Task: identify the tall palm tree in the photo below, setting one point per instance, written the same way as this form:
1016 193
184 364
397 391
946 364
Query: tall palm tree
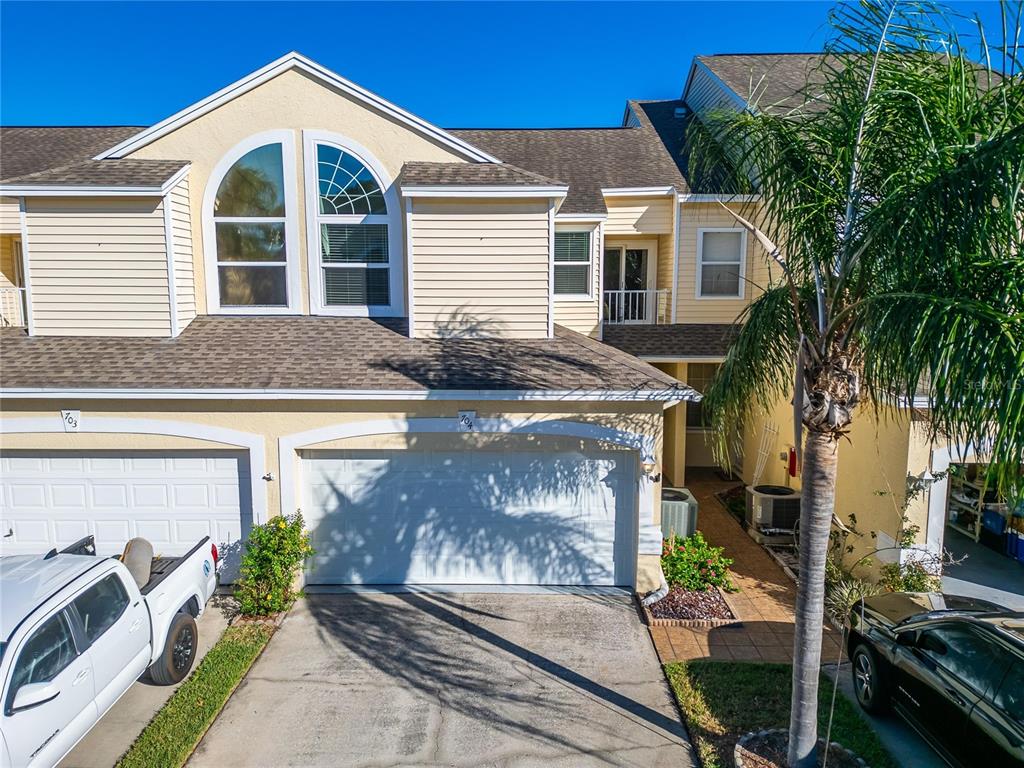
891 209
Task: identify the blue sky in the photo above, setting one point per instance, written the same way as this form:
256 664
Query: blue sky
455 64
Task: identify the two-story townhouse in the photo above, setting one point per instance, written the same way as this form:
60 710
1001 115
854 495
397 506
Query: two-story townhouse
459 352
886 449
294 294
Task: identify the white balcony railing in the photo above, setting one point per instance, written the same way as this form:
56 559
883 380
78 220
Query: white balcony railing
12 307
647 307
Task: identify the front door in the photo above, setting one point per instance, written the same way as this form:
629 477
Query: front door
625 285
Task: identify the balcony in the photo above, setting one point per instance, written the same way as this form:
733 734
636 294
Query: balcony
12 307
641 307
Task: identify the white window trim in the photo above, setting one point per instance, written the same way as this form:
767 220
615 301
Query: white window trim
590 265
396 250
286 139
700 264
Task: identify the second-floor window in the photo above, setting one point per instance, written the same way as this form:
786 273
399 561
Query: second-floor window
249 219
352 224
720 261
572 264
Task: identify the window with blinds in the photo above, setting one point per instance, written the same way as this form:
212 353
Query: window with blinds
353 222
572 263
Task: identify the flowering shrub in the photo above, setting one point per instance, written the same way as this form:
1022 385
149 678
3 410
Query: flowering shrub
694 564
273 555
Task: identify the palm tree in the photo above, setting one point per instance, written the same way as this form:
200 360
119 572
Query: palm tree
891 209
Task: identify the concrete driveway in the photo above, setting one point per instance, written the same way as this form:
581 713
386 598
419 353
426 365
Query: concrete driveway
454 680
115 732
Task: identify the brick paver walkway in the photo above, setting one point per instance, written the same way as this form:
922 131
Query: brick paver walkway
764 603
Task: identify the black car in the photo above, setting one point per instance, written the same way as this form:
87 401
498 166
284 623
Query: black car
953 667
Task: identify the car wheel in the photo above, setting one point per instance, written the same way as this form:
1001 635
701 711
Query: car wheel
179 651
868 686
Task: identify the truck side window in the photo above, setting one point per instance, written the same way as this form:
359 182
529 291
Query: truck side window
100 606
44 655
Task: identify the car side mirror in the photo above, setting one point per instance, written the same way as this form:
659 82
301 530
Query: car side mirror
907 639
33 694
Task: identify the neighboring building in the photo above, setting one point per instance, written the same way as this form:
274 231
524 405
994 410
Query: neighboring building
452 349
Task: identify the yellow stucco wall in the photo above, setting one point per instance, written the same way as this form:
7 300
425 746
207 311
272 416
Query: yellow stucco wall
291 101
873 466
271 420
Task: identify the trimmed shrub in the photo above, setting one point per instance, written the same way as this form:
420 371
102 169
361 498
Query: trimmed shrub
694 564
274 553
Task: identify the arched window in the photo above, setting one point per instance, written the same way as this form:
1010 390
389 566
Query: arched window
252 228
353 253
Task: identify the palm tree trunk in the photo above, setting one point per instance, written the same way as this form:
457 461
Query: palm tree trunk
818 488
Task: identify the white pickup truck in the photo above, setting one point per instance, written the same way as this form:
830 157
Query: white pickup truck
76 630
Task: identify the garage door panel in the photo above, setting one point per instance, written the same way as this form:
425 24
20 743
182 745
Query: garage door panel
173 499
470 517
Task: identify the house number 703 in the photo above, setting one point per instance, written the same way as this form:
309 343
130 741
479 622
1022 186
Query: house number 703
71 419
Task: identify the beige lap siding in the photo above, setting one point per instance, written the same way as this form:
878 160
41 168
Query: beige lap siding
184 268
10 216
480 268
639 215
692 218
98 266
582 316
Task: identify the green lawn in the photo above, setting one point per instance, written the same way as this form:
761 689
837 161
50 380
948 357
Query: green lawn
176 729
724 700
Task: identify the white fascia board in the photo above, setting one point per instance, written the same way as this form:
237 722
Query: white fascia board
690 197
289 61
483 191
637 191
582 217
78 190
576 395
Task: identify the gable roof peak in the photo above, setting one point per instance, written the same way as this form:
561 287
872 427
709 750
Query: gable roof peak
293 60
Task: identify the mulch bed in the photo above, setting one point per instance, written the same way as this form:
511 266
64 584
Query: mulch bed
686 604
768 749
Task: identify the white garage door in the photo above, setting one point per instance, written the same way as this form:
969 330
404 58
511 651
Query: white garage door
50 499
470 517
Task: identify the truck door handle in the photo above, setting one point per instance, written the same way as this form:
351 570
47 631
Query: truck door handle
80 677
135 625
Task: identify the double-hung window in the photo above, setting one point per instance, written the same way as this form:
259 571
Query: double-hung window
351 221
573 264
720 263
249 218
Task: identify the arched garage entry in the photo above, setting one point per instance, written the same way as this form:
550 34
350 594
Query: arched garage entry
533 502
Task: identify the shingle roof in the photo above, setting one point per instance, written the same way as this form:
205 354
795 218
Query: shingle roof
31 149
587 159
320 353
464 174
129 172
679 340
774 79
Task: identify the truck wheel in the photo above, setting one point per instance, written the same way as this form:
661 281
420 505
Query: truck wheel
179 651
868 686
